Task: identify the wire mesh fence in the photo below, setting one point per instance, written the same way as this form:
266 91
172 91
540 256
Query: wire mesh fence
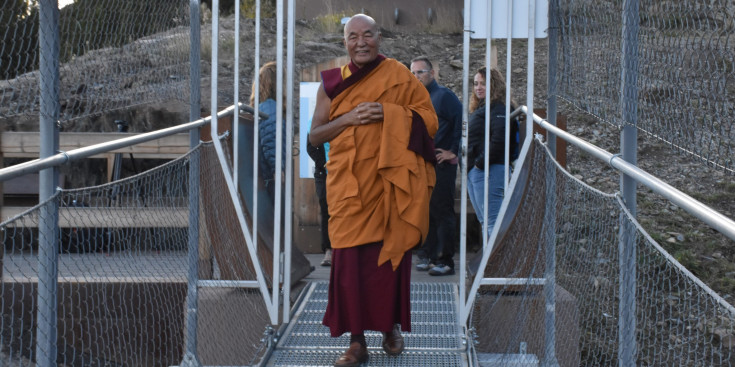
684 70
122 275
678 320
112 54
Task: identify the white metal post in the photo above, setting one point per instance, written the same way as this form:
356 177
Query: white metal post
530 72
463 166
508 63
486 164
289 163
256 118
276 276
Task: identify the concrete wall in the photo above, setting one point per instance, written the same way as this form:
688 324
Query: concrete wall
137 324
117 324
505 319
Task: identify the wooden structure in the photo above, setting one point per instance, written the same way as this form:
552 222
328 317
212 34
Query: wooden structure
27 145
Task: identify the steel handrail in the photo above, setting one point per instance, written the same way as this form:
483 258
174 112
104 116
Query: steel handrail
714 219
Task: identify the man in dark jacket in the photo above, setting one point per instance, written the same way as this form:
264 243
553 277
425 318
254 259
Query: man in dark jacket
437 253
319 155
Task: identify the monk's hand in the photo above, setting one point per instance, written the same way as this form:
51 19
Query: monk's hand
368 112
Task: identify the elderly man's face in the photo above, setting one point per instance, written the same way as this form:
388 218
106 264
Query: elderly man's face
362 40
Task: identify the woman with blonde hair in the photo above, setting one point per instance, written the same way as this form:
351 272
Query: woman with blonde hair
267 127
476 149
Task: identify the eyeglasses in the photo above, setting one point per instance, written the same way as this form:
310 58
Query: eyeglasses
420 72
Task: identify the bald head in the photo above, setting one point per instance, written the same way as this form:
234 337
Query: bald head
362 19
362 39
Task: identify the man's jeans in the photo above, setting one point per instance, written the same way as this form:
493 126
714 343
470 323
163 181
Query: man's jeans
475 189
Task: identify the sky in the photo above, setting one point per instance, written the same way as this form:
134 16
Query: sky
63 3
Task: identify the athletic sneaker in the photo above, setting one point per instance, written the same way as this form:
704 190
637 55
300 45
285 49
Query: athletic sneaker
327 261
424 264
441 270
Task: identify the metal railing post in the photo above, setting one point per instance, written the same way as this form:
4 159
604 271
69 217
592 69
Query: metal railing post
278 203
288 206
628 146
48 40
629 99
122 127
192 297
463 165
550 268
551 106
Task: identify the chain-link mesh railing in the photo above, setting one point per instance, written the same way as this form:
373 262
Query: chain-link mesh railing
678 320
113 54
122 274
685 94
233 322
222 224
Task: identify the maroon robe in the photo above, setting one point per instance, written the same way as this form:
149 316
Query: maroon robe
362 295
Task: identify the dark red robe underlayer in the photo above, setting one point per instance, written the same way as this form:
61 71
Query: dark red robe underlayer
364 296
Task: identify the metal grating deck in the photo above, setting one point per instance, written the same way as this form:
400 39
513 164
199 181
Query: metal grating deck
436 340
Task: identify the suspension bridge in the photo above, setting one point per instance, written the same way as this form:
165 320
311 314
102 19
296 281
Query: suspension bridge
191 264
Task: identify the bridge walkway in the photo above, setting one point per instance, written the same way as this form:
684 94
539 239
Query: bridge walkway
436 338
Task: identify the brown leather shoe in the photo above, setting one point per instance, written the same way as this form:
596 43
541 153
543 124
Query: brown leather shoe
355 355
393 343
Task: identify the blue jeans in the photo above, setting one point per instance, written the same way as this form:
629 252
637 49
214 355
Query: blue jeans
475 189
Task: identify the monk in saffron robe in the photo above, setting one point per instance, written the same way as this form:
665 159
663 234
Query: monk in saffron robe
379 122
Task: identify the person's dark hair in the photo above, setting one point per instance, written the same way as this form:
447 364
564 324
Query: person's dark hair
497 88
424 59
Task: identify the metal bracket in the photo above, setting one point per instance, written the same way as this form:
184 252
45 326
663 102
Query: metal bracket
268 336
613 157
66 156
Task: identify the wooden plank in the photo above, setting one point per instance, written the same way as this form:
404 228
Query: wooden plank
15 144
110 166
561 144
112 217
102 267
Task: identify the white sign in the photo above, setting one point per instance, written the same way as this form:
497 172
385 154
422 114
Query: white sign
501 15
307 103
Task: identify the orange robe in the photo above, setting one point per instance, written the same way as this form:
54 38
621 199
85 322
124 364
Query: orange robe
378 189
